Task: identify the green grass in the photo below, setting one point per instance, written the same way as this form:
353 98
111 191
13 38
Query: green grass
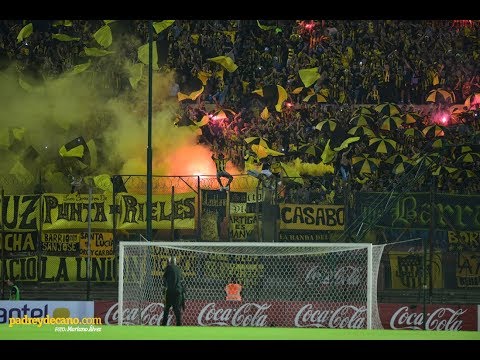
112 332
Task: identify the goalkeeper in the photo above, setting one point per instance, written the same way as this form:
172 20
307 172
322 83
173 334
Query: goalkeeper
175 293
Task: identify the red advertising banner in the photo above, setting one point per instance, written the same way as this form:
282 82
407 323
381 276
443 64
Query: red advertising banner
295 314
438 317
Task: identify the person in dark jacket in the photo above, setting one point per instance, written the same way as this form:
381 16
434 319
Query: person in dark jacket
173 281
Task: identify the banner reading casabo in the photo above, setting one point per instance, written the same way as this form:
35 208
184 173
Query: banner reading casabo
312 217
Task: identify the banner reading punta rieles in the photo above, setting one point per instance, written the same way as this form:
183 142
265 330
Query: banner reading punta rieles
70 211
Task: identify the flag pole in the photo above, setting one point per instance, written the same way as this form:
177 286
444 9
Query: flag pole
149 146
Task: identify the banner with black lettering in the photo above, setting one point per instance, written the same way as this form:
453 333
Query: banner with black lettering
304 236
238 202
247 270
70 211
312 217
101 244
468 269
255 201
412 210
60 244
20 212
133 211
406 269
76 244
463 241
243 227
214 205
18 243
59 268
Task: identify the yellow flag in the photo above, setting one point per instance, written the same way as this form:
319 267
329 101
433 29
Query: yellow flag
297 90
135 74
66 23
226 62
245 86
204 121
74 148
204 76
266 27
195 38
263 152
265 114
258 92
77 69
103 36
219 75
18 133
143 55
25 85
347 142
192 96
64 37
231 34
289 172
309 76
26 31
328 154
162 25
103 182
282 96
97 52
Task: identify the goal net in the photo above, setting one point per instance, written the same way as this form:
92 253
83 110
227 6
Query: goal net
323 285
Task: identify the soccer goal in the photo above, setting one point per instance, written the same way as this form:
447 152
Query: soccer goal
323 285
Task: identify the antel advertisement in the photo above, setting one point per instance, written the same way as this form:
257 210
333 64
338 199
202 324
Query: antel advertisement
296 314
39 309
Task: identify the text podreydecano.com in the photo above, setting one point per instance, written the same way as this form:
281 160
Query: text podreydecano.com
48 320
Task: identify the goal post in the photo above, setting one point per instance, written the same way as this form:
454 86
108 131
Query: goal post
323 285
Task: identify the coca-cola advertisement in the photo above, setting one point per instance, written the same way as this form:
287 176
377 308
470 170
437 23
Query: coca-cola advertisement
295 314
437 317
322 273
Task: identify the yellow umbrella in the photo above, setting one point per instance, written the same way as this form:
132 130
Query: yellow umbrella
396 159
365 164
440 143
387 109
414 133
361 120
391 122
361 130
403 167
311 149
412 118
444 170
440 96
363 110
256 140
382 145
469 157
434 130
331 124
464 173
472 101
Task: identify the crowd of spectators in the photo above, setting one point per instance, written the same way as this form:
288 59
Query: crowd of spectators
361 65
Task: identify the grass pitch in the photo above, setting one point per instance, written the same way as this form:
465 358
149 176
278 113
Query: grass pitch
113 332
